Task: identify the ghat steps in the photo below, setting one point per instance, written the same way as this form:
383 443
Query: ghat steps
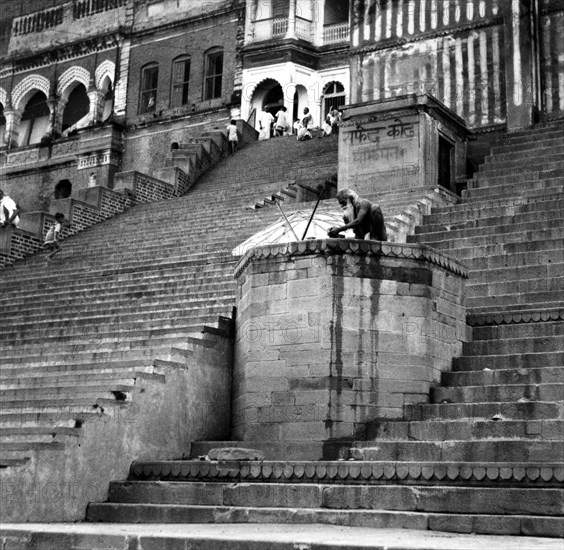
485 455
92 343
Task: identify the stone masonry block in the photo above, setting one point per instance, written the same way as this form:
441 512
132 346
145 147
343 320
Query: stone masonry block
307 287
370 497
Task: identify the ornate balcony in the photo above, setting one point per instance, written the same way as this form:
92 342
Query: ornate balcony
335 34
279 27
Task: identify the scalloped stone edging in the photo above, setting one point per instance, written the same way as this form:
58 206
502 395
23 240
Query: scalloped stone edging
412 251
514 317
353 471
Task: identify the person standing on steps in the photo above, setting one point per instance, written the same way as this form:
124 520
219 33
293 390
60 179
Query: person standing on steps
232 136
304 132
9 211
52 237
281 125
360 215
265 122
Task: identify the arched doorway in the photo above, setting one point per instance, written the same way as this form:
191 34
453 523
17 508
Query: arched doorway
76 110
35 120
267 95
63 189
333 96
274 100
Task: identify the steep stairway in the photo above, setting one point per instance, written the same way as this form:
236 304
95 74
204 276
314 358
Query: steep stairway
91 342
486 454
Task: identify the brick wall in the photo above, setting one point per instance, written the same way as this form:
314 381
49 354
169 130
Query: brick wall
193 39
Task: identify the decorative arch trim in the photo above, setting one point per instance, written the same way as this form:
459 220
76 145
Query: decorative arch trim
3 97
29 84
69 77
106 69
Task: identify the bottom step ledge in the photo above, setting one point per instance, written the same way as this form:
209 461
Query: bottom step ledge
253 537
538 526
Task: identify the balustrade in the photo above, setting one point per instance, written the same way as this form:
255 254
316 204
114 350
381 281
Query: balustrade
37 22
333 34
84 8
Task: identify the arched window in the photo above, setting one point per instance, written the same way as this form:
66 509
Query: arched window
213 73
148 88
63 189
333 96
76 109
180 81
35 120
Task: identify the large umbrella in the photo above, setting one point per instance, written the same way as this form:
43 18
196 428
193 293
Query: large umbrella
280 232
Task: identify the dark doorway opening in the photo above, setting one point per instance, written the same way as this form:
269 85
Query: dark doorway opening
63 189
446 163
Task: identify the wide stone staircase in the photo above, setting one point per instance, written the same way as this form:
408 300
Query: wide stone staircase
105 354
486 454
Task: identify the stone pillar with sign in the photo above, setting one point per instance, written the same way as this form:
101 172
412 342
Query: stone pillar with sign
401 144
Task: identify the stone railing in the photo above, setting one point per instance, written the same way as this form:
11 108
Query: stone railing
334 34
37 22
265 29
84 8
303 28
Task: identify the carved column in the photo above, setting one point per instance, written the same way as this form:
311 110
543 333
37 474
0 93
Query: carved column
249 18
96 98
291 32
56 107
318 18
13 117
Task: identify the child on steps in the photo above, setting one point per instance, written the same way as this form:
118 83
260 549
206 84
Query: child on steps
52 237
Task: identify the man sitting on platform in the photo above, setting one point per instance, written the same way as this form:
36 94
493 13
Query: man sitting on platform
360 215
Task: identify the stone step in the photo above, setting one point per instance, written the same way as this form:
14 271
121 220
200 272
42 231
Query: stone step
343 530
520 163
461 213
535 344
71 417
533 239
492 226
500 450
526 410
32 384
537 146
499 377
68 405
532 194
518 330
476 429
499 393
517 360
60 392
464 500
123 307
536 300
521 286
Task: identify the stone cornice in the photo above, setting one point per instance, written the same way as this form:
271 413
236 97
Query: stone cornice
409 251
353 472
515 317
63 53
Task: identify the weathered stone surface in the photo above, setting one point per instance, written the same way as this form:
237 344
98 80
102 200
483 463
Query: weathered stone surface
235 453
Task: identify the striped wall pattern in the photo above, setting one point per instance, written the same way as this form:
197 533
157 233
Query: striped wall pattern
552 61
382 20
464 71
